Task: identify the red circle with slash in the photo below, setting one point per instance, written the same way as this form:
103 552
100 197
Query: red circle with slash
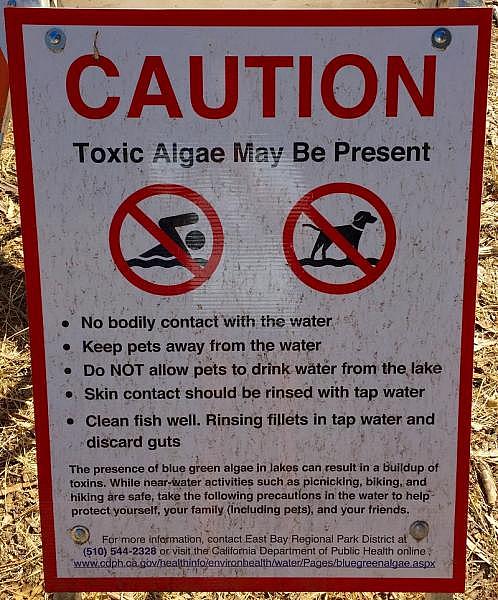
370 272
130 208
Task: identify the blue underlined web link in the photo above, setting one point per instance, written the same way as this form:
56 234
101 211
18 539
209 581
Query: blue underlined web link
264 563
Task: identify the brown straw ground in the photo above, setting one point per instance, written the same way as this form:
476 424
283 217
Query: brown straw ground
20 548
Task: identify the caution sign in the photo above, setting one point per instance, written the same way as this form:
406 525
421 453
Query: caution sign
346 237
251 250
169 251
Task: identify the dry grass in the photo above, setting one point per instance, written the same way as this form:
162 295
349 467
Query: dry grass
20 548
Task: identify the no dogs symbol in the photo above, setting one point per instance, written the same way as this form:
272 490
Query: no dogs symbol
166 239
339 238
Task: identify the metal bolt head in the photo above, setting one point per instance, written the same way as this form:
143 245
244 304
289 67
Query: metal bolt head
441 38
79 534
55 39
419 530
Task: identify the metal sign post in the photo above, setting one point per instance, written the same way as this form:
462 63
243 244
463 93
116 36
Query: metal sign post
251 240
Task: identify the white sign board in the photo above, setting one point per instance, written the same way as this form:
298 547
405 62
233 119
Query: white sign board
251 244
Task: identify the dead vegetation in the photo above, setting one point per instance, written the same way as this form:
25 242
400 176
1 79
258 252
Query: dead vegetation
20 548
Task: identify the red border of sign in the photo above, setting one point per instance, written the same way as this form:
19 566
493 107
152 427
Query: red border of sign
305 202
15 18
201 274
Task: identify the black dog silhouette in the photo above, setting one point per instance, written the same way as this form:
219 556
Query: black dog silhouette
352 233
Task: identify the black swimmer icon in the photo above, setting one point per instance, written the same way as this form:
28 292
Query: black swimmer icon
174 245
159 256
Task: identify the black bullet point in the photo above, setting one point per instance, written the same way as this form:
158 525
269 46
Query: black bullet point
66 346
65 323
69 394
70 421
67 370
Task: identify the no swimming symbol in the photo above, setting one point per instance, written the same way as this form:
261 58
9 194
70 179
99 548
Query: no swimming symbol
170 250
345 237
